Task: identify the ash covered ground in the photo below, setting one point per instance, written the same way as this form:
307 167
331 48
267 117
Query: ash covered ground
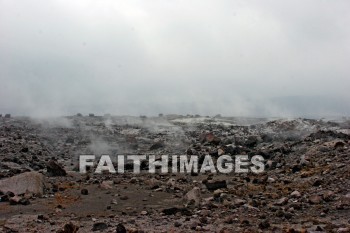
305 186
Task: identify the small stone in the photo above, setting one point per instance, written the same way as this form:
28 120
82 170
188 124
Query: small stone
288 215
123 198
194 224
84 192
315 199
343 230
106 184
175 210
223 196
264 224
41 217
99 226
194 195
68 228
25 149
9 194
282 201
279 213
317 182
121 228
157 145
328 195
270 180
210 138
295 194
221 152
114 201
245 222
217 193
231 220
144 212
214 185
24 201
133 180
171 182
239 202
14 200
177 224
4 198
296 168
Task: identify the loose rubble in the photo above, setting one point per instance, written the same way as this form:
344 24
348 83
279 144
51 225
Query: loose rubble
305 186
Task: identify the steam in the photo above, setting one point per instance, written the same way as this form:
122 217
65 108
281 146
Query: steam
53 122
200 57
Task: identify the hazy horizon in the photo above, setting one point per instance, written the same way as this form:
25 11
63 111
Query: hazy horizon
235 58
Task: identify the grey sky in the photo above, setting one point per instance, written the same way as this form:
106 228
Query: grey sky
247 58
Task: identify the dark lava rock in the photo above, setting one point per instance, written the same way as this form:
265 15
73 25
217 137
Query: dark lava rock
84 192
99 226
213 185
124 198
296 168
69 228
70 140
10 194
175 210
317 182
251 141
24 201
25 149
264 224
4 198
55 169
157 145
177 224
121 228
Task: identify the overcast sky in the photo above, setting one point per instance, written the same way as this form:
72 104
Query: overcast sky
245 58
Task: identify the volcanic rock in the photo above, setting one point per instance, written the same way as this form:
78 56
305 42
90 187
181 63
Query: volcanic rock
55 169
32 182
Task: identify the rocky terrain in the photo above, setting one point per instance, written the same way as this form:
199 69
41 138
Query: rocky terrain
305 186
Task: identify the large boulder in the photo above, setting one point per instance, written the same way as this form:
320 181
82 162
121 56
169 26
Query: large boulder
32 182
